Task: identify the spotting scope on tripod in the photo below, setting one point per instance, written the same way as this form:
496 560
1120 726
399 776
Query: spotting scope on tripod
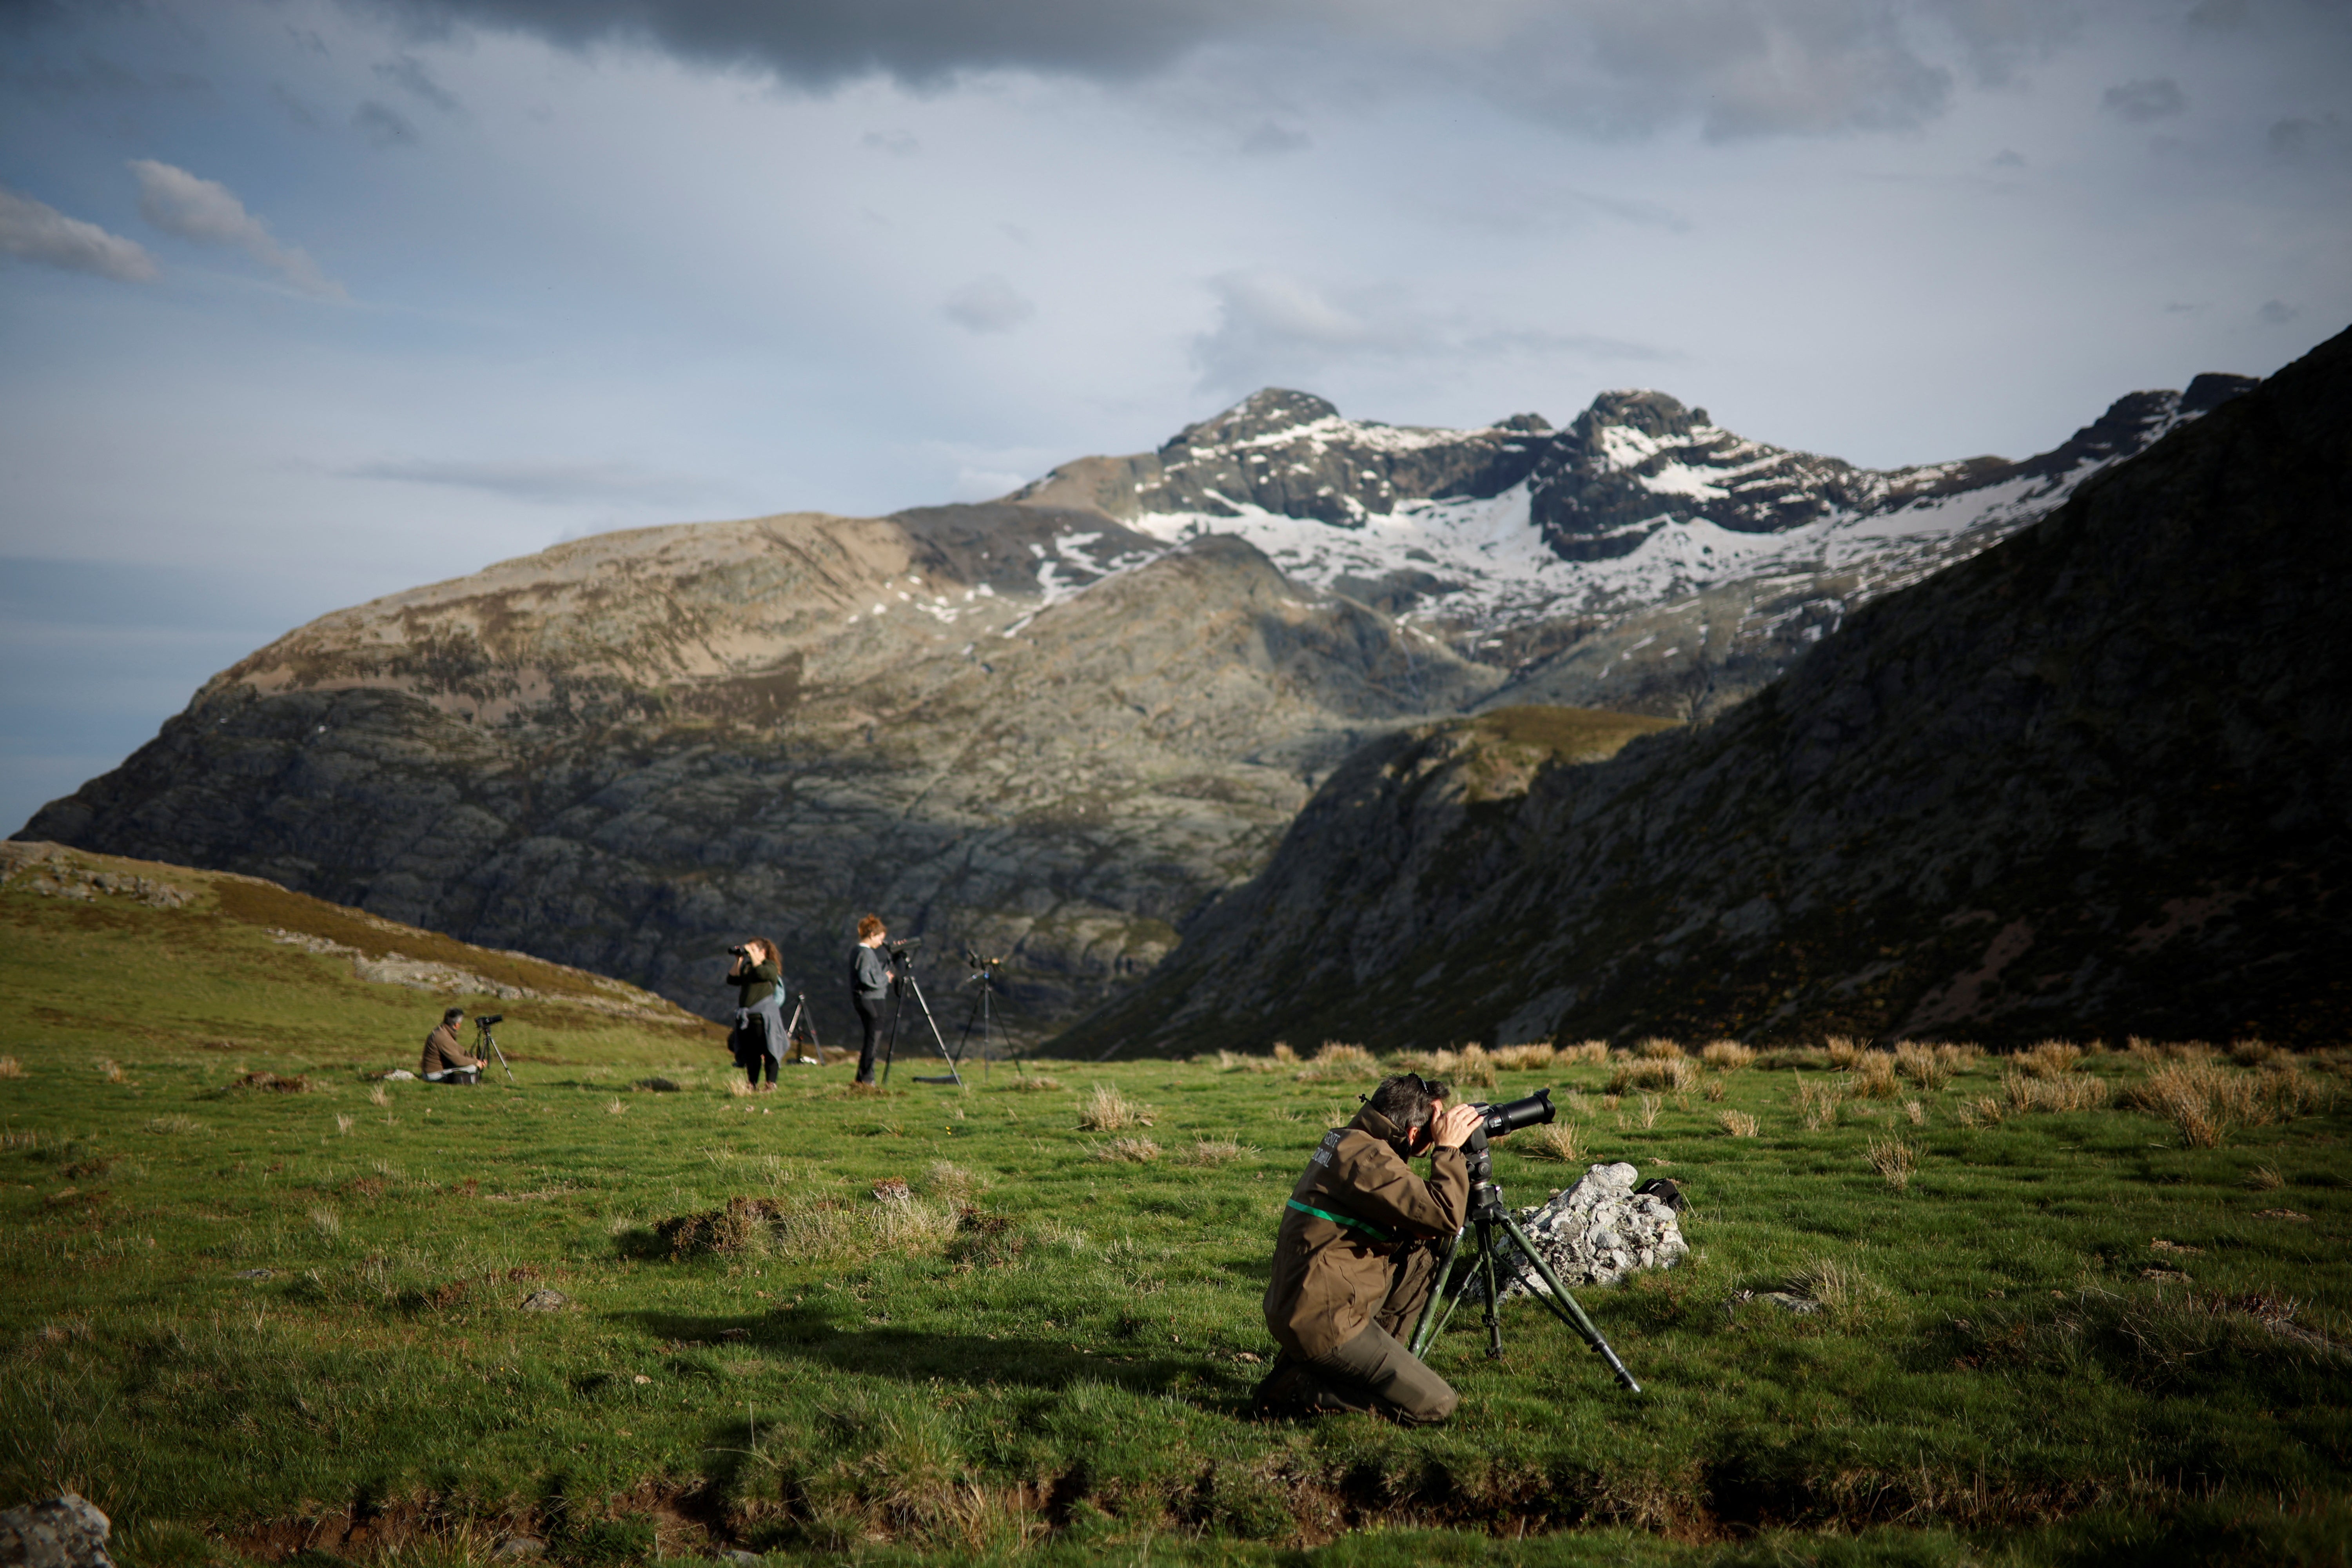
1498 1250
485 1043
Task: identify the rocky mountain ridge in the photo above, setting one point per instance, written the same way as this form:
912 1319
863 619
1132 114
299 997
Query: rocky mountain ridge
2093 780
1034 727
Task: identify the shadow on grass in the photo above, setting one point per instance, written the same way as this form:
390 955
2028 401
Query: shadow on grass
914 1355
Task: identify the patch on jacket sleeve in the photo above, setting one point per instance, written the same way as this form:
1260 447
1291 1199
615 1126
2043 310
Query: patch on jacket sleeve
1322 1156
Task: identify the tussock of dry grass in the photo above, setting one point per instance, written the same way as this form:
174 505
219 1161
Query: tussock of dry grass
1561 1140
1469 1068
1283 1053
1872 1076
1658 1048
380 1096
1846 1294
1982 1111
2049 1058
109 1068
1727 1055
172 1126
1033 1083
2205 1098
1233 1061
1215 1151
1583 1051
1792 1058
1842 1051
2170 1051
1894 1160
1677 1073
1915 1111
11 1067
1129 1152
2062 1092
1533 1056
951 1184
1717 1090
1338 1060
1739 1124
1931 1066
1651 1104
1109 1110
1818 1102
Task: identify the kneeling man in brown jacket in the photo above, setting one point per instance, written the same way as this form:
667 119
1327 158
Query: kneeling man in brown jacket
1349 1273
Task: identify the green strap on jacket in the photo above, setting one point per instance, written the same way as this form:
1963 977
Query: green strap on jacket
1345 1222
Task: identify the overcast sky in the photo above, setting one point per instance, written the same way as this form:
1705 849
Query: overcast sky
305 301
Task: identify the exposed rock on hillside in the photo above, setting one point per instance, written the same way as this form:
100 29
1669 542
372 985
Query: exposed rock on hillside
1640 558
629 751
2095 779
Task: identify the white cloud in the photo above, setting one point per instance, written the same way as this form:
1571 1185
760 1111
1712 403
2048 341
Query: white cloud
38 232
209 212
988 304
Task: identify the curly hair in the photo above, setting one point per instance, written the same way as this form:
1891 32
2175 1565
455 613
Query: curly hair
870 926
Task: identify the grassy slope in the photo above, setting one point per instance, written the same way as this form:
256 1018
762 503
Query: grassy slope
1062 1371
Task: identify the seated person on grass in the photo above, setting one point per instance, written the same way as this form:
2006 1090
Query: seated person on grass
446 1061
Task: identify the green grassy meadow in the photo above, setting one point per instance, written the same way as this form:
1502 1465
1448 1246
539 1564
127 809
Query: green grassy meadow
936 1324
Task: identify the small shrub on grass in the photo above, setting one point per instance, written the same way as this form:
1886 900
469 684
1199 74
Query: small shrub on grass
1677 1073
1338 1060
2050 1059
1894 1160
1583 1051
1109 1110
1818 1102
1727 1055
1931 1066
1873 1075
1129 1151
2204 1098
1561 1140
1530 1057
1739 1124
1983 1111
1842 1051
1659 1049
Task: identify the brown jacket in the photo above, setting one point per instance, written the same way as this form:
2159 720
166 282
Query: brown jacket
443 1052
1356 1205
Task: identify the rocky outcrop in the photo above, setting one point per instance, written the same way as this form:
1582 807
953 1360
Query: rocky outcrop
1599 1232
64 1532
2091 781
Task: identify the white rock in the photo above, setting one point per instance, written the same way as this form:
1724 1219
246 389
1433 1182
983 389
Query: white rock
1599 1231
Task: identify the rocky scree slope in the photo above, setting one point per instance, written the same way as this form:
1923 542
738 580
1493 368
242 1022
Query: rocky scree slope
1641 558
629 751
2094 779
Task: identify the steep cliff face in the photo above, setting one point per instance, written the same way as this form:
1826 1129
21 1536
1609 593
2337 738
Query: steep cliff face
2095 779
629 751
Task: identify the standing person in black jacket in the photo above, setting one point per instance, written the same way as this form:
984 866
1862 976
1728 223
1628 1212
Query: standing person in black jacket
758 1039
869 982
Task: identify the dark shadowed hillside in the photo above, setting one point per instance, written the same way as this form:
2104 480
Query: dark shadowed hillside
2095 780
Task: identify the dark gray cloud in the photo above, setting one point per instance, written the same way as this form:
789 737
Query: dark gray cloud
382 125
2141 101
1740 68
36 231
2274 314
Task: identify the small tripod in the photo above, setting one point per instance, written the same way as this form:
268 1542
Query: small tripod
482 1029
1495 1228
803 1016
902 959
983 1008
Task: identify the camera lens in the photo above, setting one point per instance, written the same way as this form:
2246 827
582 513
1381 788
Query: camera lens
1534 1109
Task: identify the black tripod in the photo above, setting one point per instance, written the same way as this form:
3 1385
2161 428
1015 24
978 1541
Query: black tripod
802 1017
1494 1229
983 1008
482 1028
902 960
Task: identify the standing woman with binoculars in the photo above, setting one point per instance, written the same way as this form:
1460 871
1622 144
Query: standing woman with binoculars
759 1035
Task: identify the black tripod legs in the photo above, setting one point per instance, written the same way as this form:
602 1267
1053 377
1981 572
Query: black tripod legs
1486 1244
